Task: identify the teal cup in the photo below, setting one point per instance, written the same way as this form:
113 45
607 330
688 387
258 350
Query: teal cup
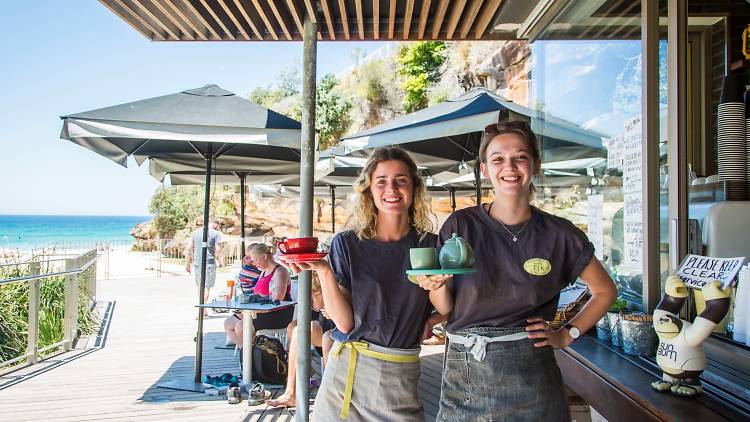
423 258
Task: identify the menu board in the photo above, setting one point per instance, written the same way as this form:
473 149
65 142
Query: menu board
614 152
595 220
632 195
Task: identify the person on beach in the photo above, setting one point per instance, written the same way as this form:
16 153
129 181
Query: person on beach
320 337
379 314
500 363
194 256
274 283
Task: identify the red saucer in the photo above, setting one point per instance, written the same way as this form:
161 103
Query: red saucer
302 257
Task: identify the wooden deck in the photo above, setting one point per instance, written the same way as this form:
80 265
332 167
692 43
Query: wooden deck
148 338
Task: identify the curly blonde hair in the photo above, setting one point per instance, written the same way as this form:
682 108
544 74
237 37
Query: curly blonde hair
365 215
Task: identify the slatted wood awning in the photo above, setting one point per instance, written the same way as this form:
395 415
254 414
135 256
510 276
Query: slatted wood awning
338 20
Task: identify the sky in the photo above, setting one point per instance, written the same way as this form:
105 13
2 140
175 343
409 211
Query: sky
65 57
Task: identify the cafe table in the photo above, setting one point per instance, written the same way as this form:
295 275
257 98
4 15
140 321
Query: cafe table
249 312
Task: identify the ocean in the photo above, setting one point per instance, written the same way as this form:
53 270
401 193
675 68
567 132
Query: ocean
34 231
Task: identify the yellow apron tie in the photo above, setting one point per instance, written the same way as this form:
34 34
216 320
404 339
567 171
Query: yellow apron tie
356 347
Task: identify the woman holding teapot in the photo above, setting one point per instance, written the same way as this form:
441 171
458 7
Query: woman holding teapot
500 364
380 315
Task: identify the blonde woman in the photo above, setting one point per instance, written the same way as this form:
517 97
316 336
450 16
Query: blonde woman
275 283
379 314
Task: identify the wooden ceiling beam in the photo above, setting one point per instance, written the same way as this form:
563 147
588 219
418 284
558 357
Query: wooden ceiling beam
191 7
391 19
128 9
282 20
159 17
457 10
169 13
376 19
470 17
234 19
296 12
439 17
246 15
344 18
360 19
218 20
423 14
123 13
408 12
329 19
486 17
184 18
265 19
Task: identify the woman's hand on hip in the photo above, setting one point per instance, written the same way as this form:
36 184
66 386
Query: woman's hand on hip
538 328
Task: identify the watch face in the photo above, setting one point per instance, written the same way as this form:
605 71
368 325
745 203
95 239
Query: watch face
574 332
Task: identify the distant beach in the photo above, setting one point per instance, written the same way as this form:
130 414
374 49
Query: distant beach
35 231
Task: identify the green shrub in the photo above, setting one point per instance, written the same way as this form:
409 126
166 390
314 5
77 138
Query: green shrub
14 311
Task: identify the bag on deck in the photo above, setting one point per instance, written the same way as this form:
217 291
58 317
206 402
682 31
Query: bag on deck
269 360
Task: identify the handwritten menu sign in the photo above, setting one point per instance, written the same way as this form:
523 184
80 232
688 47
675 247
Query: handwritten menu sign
614 152
595 220
632 164
632 197
696 271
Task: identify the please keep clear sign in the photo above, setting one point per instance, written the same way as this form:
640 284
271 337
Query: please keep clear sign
696 271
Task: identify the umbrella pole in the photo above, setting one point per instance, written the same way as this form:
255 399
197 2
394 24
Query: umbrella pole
333 209
242 216
307 168
202 290
478 181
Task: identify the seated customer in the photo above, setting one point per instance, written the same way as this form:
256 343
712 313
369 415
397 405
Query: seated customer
249 273
320 337
274 282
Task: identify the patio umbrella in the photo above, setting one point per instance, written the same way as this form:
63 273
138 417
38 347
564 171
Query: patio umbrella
449 134
206 124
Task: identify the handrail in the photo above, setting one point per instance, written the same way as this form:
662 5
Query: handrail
49 275
70 317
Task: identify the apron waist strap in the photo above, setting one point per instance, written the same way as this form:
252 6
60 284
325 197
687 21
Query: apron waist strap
356 347
477 344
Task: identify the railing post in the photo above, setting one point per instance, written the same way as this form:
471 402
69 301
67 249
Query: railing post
91 281
70 319
33 340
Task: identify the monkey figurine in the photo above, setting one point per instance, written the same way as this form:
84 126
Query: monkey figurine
680 354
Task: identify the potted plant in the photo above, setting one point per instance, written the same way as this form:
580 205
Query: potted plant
638 335
613 321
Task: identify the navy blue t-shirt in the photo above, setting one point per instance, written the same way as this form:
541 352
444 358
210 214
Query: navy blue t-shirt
514 280
389 310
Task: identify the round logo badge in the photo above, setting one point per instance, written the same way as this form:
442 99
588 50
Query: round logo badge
537 266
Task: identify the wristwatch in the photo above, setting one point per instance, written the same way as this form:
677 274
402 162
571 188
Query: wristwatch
573 331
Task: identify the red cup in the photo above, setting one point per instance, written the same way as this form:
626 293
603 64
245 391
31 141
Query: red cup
298 245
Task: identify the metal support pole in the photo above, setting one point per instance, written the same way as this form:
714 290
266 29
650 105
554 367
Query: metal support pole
677 130
242 215
478 181
33 341
333 209
650 153
307 172
201 291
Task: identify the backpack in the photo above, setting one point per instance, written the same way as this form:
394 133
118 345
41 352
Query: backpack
269 360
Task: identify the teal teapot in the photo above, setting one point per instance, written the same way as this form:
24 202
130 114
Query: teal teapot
456 253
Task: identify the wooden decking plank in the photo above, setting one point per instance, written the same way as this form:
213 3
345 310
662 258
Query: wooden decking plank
149 341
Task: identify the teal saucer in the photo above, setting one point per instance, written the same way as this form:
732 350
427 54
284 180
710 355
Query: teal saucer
442 271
